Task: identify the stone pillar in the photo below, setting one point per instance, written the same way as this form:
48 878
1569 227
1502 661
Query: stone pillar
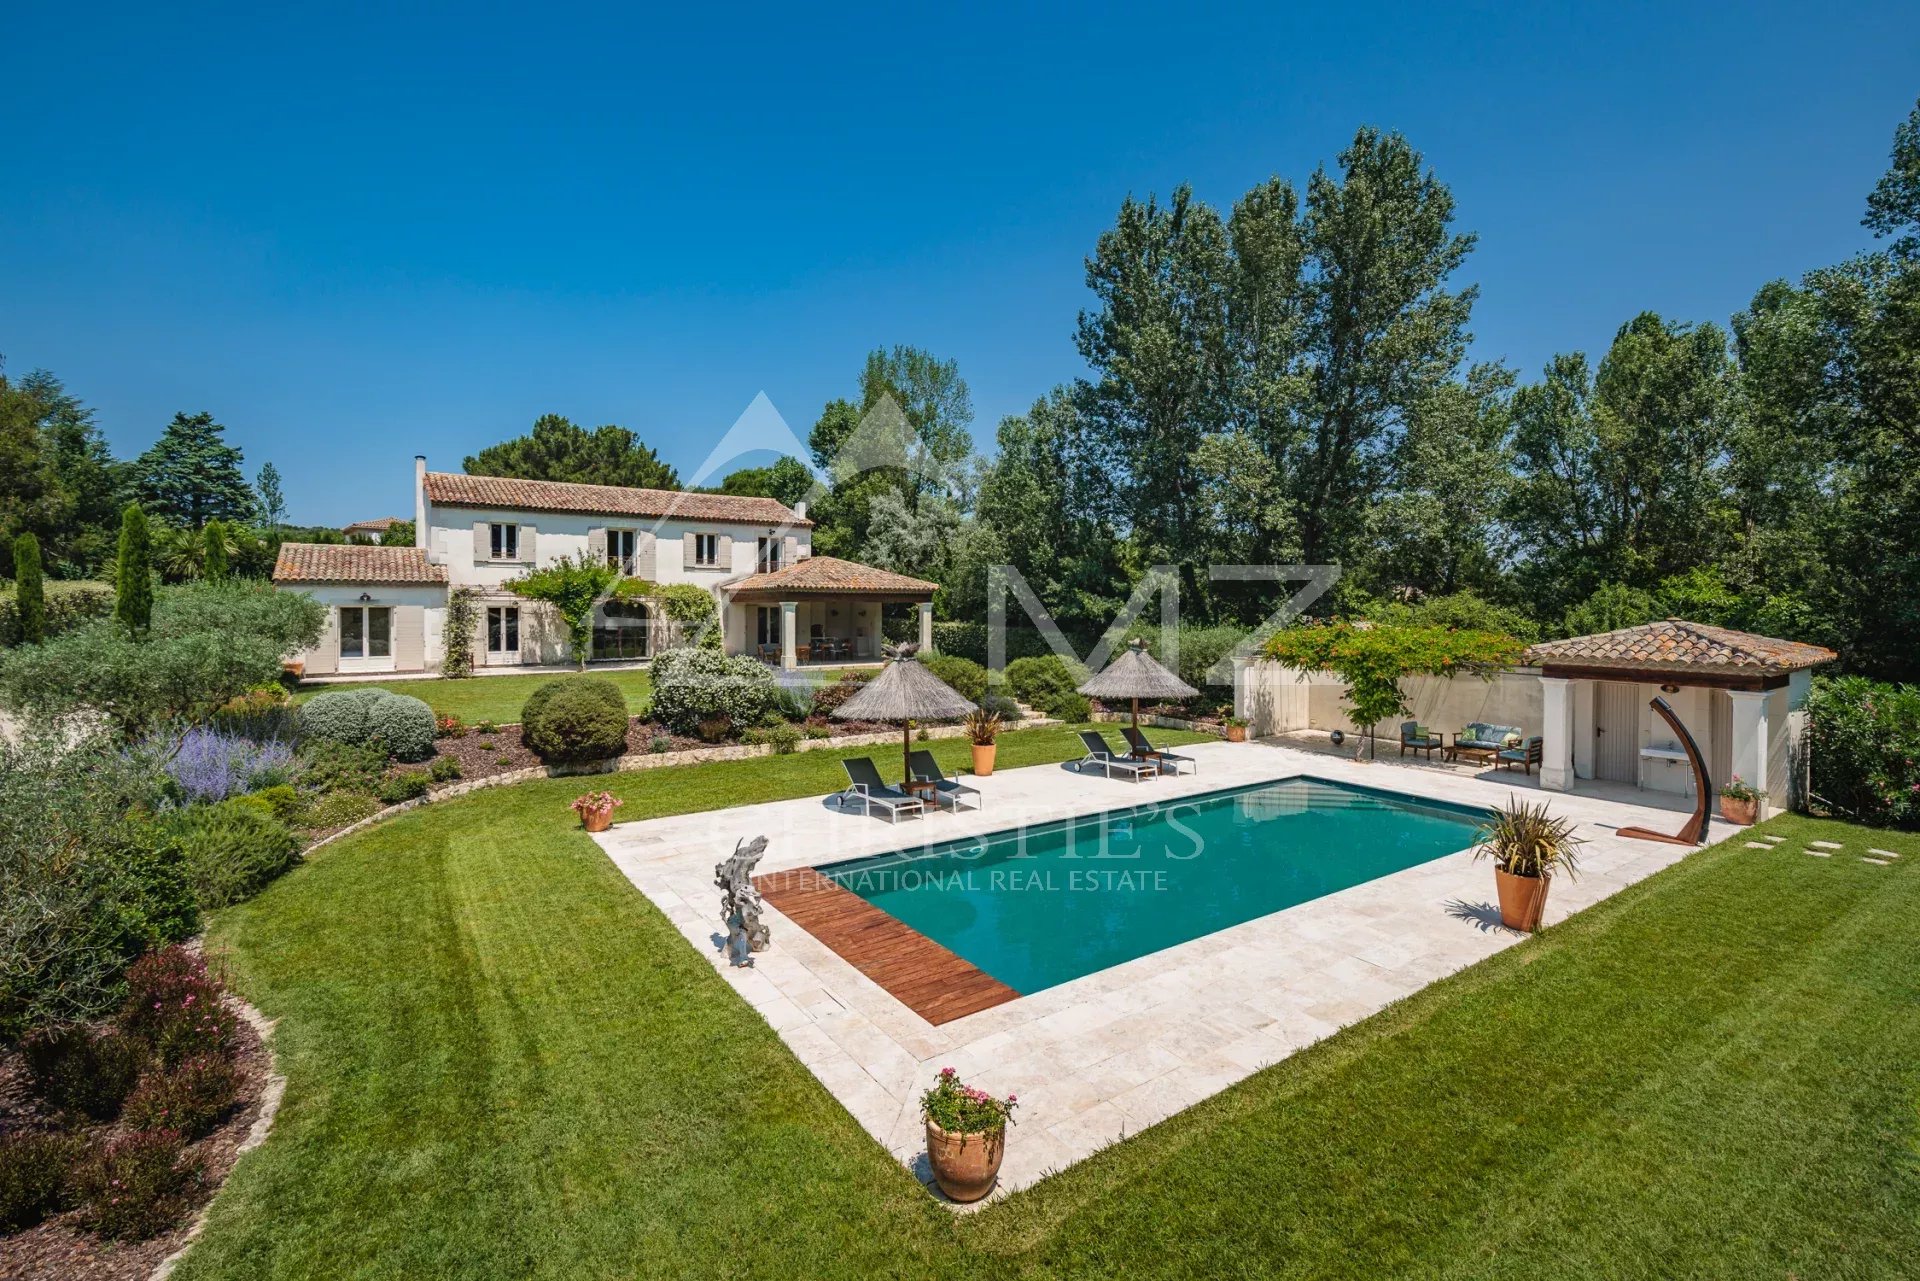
1556 734
1749 758
926 626
789 624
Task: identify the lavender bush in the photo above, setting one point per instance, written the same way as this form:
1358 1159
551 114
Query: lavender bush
207 765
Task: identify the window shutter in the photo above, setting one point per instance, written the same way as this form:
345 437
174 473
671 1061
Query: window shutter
527 556
726 552
686 550
482 546
597 545
789 550
646 552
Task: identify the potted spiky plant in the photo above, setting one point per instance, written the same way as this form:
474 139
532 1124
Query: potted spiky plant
966 1135
1527 845
983 728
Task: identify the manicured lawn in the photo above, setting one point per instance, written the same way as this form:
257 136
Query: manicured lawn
504 1062
495 698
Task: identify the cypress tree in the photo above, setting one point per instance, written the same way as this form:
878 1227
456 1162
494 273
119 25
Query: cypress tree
133 577
30 592
213 564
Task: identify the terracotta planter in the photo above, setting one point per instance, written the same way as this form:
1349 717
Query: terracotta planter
965 1165
596 820
1236 733
1523 900
1745 813
983 758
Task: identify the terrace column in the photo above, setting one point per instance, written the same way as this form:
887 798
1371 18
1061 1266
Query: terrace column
1556 734
1751 744
926 626
789 624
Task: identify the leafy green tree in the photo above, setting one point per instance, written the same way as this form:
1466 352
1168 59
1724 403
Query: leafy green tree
787 480
29 590
213 556
573 586
1893 209
1612 607
192 475
557 449
398 534
133 573
272 499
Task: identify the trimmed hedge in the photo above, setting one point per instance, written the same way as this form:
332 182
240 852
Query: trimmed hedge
968 678
969 640
575 720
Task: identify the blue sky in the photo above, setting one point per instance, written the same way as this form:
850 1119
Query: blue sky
355 235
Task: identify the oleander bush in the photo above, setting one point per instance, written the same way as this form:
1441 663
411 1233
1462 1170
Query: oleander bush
1863 737
232 850
176 1007
692 686
34 1172
84 1070
968 678
575 720
192 1096
136 1185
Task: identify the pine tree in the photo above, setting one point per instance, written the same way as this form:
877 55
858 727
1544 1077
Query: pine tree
30 593
133 577
273 502
213 557
192 475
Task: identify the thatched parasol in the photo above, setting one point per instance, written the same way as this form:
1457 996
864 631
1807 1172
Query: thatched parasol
1135 675
904 691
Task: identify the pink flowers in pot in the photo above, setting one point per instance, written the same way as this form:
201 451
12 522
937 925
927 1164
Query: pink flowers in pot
965 1109
596 804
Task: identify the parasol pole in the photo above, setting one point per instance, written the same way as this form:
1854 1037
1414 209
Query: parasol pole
906 754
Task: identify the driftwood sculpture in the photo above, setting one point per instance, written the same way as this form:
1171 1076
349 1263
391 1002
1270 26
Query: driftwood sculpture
1695 830
740 902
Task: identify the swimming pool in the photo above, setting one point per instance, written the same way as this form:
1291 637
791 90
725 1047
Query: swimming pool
1034 907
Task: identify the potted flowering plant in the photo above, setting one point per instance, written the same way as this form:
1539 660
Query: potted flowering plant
1740 803
982 727
1236 727
596 810
966 1135
1527 846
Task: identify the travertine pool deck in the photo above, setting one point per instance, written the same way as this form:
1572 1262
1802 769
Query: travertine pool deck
1107 1055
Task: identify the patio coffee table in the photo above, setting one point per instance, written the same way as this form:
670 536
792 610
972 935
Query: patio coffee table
1476 752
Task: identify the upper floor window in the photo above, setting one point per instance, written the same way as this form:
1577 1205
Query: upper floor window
706 549
769 554
505 541
620 549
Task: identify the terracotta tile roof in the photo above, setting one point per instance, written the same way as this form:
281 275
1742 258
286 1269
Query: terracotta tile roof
457 489
354 563
378 525
831 574
1679 644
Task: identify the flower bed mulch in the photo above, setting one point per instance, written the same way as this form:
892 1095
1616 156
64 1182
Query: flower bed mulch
59 1249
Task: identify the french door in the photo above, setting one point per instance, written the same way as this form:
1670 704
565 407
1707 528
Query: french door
503 634
366 638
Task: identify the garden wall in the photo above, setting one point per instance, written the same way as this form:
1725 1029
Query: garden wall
1276 699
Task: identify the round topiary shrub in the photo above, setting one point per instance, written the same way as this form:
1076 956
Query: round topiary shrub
968 678
339 716
403 724
232 850
575 720
696 686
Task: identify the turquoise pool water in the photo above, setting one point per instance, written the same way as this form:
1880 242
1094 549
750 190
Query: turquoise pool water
1038 906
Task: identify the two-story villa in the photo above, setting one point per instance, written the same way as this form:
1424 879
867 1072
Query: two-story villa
386 606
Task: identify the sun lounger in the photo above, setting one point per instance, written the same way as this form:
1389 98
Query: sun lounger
1146 751
945 790
870 791
1098 753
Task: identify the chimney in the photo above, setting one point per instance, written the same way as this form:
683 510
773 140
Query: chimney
420 500
800 510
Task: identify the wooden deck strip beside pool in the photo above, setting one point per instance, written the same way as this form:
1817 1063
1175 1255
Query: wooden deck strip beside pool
919 973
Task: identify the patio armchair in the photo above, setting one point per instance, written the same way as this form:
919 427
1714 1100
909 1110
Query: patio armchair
945 790
1525 756
1146 751
1098 753
866 786
1415 737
